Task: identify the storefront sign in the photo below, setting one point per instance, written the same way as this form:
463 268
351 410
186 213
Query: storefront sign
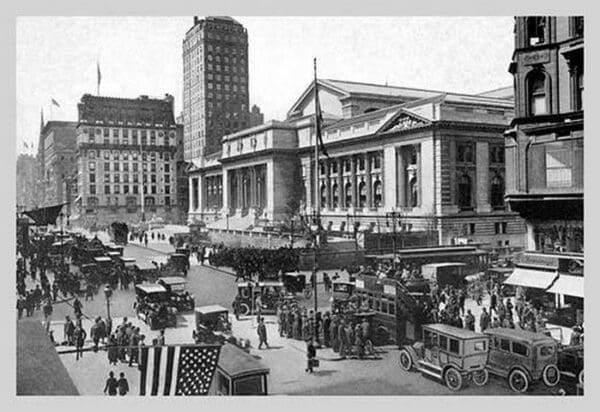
389 290
536 57
538 260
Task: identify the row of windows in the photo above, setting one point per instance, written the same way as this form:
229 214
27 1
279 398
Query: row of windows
377 195
117 178
375 161
538 87
234 59
129 201
537 29
151 156
135 167
116 189
226 68
126 133
465 193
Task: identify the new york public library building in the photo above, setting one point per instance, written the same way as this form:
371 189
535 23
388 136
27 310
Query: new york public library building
433 159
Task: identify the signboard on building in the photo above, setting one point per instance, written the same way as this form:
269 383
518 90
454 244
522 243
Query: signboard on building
389 290
536 57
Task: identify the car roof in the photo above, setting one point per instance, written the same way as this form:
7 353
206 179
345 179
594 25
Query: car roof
102 259
519 334
126 259
151 288
443 264
272 283
454 331
173 280
178 254
295 274
235 362
205 310
344 282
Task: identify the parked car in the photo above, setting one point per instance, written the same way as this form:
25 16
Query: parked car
296 282
523 358
178 296
212 324
270 293
449 353
153 306
570 363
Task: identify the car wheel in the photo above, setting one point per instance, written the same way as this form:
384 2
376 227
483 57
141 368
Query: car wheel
481 377
551 375
453 379
244 309
580 377
406 360
518 381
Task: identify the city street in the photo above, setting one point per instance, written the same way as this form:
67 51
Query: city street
286 358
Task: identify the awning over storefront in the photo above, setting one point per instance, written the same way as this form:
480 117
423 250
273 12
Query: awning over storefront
568 285
531 278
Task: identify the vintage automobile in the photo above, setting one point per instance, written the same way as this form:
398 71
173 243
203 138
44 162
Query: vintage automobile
270 293
153 306
125 263
570 363
443 274
449 353
179 297
523 358
180 262
105 265
239 374
341 292
212 324
295 282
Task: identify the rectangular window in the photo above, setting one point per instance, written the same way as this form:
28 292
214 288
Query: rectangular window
443 342
116 133
126 189
106 132
107 178
558 164
167 200
126 167
117 178
126 178
135 178
153 190
153 167
505 345
454 346
153 178
116 189
92 166
471 228
135 189
106 189
135 167
92 178
167 178
519 348
464 153
167 190
116 166
167 168
92 189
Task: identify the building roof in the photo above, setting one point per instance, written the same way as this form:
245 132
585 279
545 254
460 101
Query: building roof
39 368
350 88
506 92
142 109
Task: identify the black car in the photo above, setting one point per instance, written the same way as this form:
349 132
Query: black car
570 363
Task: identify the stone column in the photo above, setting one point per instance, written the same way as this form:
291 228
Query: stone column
240 190
340 182
225 193
369 181
191 194
353 164
328 186
400 176
482 177
253 190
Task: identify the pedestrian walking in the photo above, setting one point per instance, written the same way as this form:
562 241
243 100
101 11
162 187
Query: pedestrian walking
68 330
77 308
326 329
110 388
261 330
79 335
146 240
484 320
311 354
95 333
160 341
133 346
469 320
112 350
122 384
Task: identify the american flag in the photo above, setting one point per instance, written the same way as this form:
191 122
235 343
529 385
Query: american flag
177 369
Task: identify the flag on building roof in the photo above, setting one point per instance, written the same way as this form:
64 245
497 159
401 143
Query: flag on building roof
318 116
54 102
99 75
177 370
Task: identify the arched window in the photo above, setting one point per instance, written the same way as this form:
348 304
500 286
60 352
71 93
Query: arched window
537 94
497 192
377 193
362 194
335 195
149 201
323 194
348 191
464 192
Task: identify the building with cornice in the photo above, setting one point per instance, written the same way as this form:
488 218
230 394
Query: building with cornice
434 158
127 156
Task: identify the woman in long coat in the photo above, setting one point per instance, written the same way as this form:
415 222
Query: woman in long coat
113 350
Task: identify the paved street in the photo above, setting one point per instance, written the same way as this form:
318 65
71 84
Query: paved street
286 358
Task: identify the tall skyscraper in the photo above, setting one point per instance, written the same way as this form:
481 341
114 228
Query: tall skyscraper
215 84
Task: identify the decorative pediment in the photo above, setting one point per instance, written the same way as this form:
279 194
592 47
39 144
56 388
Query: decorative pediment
403 121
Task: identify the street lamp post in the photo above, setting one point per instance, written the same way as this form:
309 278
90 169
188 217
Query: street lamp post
107 294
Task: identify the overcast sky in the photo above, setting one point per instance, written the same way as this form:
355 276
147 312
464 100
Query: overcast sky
56 58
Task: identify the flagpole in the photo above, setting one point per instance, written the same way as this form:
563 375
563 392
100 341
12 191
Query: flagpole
317 192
